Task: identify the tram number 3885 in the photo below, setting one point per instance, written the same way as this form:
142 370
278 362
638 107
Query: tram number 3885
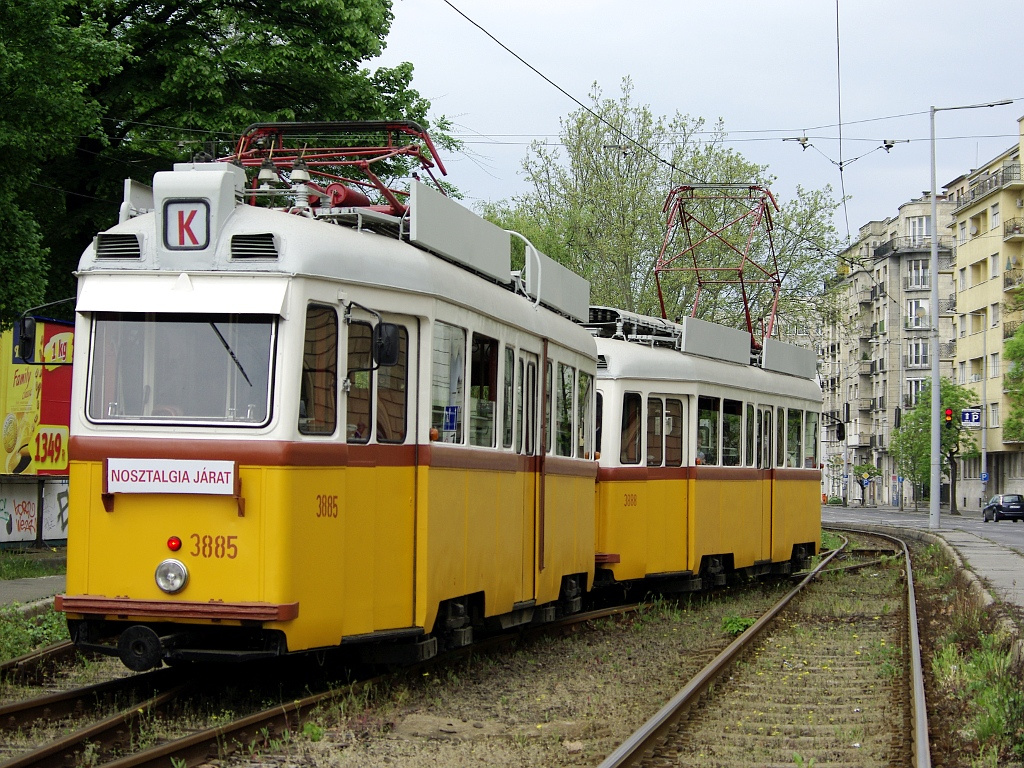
327 505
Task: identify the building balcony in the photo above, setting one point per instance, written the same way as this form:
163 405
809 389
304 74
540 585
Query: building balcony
864 403
947 350
947 306
911 362
1010 328
917 323
1007 177
1013 230
1013 279
904 244
915 284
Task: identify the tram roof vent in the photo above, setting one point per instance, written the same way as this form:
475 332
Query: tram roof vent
255 246
111 246
602 363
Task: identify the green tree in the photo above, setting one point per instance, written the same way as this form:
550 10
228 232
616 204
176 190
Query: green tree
197 72
45 68
864 474
1013 386
910 445
599 211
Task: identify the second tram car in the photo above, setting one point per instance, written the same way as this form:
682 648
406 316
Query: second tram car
709 463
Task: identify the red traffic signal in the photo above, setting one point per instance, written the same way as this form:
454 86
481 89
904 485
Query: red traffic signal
949 417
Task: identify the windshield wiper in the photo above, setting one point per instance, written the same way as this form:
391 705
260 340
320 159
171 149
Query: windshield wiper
230 352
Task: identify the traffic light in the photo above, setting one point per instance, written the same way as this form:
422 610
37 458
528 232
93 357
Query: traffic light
840 431
949 417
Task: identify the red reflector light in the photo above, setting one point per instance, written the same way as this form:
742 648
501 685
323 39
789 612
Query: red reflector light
174 543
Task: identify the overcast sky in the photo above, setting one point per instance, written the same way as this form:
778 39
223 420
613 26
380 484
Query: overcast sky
767 68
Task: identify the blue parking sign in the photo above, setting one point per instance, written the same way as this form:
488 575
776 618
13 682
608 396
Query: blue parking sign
451 418
970 417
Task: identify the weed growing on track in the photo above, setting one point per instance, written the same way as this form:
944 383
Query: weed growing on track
20 634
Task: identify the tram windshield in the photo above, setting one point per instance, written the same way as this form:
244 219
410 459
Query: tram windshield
175 368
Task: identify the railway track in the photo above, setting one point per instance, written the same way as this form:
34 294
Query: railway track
778 666
831 675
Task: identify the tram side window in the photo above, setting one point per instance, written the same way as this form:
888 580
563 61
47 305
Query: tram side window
483 391
392 388
655 429
629 452
732 432
795 433
507 398
547 408
708 409
750 435
811 435
780 452
447 382
318 403
563 409
530 410
519 406
673 433
584 422
598 418
361 382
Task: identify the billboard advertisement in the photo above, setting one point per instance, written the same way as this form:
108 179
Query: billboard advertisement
35 402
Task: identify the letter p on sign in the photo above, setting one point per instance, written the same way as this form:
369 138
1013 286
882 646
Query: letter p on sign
186 225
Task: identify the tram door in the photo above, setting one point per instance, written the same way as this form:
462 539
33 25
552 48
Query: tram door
527 441
765 441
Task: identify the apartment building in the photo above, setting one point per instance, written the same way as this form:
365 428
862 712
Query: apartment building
988 225
876 355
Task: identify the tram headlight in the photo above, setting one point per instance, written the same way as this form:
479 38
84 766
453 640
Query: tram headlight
171 576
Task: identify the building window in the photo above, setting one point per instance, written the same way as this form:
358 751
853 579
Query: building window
914 388
961 376
963 278
995 215
917 313
917 353
920 228
917 273
993 366
994 313
993 414
993 266
963 325
963 232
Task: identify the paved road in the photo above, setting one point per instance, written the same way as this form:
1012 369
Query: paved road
1005 533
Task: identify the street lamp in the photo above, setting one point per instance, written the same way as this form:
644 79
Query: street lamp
936 458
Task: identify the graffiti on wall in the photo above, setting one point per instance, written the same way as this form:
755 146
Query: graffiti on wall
19 511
